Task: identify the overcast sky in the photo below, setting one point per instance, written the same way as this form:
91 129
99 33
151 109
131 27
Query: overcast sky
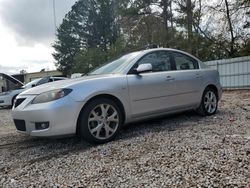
27 32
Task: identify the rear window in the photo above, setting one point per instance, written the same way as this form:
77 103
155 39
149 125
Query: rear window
184 62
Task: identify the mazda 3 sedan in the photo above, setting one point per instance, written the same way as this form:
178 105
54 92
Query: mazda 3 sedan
136 86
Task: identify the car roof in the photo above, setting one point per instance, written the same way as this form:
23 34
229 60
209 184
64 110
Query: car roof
168 49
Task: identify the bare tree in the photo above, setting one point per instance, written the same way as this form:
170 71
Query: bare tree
232 40
189 20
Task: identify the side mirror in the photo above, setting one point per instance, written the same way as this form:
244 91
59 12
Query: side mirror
144 68
33 85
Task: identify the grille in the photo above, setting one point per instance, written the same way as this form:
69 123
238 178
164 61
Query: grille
19 101
20 125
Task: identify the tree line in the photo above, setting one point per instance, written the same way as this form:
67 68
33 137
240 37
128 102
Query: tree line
96 31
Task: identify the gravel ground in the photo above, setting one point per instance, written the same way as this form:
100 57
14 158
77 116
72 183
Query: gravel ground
183 150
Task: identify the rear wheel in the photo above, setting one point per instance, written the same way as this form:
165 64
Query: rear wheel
209 103
100 121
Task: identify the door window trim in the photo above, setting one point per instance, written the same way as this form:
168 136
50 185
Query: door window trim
172 63
195 62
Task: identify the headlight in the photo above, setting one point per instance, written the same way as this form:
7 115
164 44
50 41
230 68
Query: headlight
51 96
5 93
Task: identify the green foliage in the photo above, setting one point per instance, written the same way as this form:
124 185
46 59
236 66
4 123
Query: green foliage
245 49
102 29
70 38
86 61
90 24
66 47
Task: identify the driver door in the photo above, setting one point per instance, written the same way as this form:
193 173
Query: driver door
149 91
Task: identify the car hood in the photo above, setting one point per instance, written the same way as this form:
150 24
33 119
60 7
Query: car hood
62 84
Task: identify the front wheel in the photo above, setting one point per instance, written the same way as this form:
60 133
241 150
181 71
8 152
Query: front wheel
100 121
209 103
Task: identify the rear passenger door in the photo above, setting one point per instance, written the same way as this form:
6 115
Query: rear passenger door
188 79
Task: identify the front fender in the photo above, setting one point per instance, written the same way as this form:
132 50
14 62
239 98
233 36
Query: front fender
117 88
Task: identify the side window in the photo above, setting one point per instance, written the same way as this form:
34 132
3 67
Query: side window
184 62
160 61
43 81
57 79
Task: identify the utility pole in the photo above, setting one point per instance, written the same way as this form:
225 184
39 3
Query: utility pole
54 14
189 24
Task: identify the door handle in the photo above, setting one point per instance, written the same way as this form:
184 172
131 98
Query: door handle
198 75
169 78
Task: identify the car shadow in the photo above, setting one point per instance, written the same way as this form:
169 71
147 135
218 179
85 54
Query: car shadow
163 123
25 150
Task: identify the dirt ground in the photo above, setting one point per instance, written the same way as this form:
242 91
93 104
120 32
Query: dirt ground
183 150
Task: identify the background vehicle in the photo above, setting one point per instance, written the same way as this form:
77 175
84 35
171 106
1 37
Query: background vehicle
11 87
136 86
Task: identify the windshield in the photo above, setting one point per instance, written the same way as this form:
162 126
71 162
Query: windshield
29 85
115 66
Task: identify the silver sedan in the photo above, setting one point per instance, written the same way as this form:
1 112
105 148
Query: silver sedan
136 86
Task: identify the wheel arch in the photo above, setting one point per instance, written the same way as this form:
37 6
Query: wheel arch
106 96
213 87
201 109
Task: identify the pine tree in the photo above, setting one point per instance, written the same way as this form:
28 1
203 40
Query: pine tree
66 47
70 38
90 24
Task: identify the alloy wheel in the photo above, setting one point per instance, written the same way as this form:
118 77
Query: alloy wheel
103 121
210 102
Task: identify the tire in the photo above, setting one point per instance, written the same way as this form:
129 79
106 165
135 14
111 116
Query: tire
209 103
100 121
